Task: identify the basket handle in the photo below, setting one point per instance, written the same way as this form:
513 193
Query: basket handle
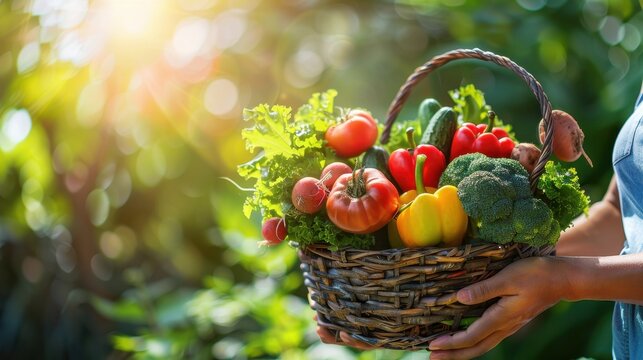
421 72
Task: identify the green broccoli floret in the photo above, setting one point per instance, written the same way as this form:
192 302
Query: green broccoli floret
495 194
458 169
533 222
465 165
510 165
499 232
554 234
489 197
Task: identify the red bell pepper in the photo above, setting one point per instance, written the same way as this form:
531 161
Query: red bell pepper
401 163
471 138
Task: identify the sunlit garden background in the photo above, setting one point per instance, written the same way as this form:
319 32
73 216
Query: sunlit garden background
118 119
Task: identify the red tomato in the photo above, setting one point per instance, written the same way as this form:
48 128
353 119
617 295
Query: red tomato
363 203
356 134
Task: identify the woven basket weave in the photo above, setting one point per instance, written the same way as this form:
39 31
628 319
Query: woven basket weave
404 298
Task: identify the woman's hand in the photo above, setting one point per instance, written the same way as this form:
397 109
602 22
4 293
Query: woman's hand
344 339
526 288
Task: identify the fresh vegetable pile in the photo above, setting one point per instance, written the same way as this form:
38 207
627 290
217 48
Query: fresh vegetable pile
454 174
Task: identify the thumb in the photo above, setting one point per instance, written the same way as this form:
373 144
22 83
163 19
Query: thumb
482 291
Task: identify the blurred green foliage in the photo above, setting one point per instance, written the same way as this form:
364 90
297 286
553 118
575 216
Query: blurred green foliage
118 118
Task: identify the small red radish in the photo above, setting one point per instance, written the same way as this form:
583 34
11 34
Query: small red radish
273 231
568 137
527 154
308 195
332 171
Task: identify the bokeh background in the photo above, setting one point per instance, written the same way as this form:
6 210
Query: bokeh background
118 117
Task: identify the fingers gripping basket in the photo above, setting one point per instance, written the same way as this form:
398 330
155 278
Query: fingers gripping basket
404 298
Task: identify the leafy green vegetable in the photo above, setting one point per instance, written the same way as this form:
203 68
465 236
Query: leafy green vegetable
289 150
562 193
398 138
308 229
471 106
469 103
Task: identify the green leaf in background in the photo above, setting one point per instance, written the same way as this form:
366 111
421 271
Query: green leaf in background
126 310
128 343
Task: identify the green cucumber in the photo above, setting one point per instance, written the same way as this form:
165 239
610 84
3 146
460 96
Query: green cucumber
377 158
427 109
439 132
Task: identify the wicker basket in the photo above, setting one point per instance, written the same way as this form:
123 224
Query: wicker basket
404 298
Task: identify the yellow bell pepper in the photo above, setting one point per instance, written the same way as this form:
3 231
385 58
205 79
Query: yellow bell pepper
410 195
427 219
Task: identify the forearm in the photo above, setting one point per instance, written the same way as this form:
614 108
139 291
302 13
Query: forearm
599 234
602 278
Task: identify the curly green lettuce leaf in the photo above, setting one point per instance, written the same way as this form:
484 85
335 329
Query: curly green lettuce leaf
560 190
469 103
318 112
310 229
398 138
288 149
471 106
